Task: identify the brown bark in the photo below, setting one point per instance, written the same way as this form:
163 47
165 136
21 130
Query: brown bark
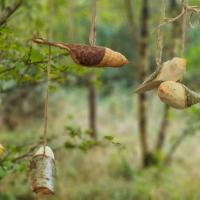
140 41
163 128
8 11
143 68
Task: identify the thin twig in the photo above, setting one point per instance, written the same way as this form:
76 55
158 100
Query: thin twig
47 100
28 65
8 11
184 27
175 146
186 8
33 63
7 70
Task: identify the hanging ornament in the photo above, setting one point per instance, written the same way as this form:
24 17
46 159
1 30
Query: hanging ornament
43 171
89 56
170 70
177 95
2 151
42 166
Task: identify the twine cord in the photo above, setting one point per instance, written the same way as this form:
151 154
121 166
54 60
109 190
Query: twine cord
92 34
160 35
46 105
184 27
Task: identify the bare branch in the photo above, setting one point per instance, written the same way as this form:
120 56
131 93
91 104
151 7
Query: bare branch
8 11
7 70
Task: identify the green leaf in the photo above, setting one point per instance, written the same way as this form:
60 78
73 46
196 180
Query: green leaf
109 137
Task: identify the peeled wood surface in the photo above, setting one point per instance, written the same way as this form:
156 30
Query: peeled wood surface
170 70
42 172
173 94
45 150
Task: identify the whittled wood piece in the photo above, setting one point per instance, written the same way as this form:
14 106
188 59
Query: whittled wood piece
89 56
177 95
43 171
170 70
2 151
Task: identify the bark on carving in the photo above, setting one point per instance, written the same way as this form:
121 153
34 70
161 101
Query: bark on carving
89 56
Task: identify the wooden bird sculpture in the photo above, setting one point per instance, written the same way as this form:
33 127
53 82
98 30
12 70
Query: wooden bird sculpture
170 70
89 56
177 95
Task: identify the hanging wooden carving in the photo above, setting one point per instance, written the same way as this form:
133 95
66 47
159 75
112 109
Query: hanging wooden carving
177 95
171 70
89 56
43 171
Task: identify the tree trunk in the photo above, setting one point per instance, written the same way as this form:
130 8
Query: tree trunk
91 86
163 129
92 99
143 68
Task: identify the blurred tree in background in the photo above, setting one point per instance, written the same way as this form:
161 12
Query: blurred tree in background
110 167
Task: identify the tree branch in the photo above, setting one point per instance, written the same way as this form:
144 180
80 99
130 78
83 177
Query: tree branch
176 144
8 11
163 129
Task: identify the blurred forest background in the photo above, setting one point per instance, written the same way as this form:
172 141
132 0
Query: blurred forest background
109 143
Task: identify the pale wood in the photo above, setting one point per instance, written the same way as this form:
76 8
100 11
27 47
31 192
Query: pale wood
177 95
113 58
170 70
173 94
48 152
43 171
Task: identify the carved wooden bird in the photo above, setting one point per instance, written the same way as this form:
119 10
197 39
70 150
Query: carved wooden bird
89 56
170 70
177 95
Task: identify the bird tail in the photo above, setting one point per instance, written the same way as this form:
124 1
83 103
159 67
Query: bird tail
55 44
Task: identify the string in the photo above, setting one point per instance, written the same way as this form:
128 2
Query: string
46 107
184 27
92 35
160 34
